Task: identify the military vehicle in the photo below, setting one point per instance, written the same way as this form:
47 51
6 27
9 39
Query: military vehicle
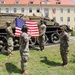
52 27
3 18
50 36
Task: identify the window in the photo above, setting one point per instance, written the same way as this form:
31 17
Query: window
61 19
45 2
38 10
46 12
0 10
2 2
46 15
17 2
22 10
31 2
74 10
7 10
68 19
58 2
15 10
68 10
54 18
74 19
30 10
61 10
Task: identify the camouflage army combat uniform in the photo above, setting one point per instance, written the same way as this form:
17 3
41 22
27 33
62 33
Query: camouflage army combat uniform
10 36
24 48
42 30
64 44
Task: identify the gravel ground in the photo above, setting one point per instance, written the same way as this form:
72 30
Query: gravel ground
72 39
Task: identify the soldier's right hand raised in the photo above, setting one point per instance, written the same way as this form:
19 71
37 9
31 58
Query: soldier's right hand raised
14 36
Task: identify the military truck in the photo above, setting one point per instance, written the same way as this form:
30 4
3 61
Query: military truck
50 36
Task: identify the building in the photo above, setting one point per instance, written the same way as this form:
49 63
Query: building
63 11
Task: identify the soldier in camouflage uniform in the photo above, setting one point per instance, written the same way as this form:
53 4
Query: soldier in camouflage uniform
10 36
64 44
42 30
24 48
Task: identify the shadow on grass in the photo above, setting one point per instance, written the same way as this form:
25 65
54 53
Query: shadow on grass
73 59
12 68
4 53
34 48
52 63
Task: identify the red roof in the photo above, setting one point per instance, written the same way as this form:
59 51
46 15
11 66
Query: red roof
53 2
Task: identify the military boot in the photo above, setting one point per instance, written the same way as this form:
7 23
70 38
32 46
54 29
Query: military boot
25 72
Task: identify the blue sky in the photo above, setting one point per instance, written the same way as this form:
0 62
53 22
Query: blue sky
73 0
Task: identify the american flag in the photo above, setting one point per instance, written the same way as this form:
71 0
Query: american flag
53 10
32 27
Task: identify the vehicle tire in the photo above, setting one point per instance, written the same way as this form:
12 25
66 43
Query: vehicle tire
55 38
3 42
32 41
45 41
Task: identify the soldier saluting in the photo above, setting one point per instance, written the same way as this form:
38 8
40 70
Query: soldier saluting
64 44
24 48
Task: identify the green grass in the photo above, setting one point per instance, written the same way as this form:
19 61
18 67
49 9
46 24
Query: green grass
40 63
73 33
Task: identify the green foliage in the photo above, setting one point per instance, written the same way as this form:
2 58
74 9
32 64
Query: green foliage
39 63
73 33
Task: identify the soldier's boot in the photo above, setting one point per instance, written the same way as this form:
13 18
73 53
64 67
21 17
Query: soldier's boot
42 48
64 64
10 54
25 72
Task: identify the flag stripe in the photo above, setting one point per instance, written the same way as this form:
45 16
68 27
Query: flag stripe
18 31
33 30
18 28
32 27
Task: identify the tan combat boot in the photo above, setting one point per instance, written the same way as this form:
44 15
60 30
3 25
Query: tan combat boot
25 72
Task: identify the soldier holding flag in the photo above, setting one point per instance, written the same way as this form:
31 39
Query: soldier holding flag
42 30
64 44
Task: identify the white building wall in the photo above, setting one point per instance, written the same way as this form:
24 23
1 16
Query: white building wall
51 15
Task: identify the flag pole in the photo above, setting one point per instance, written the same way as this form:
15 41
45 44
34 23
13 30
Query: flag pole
27 9
41 8
52 11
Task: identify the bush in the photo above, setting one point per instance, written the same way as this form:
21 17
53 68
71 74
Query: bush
73 33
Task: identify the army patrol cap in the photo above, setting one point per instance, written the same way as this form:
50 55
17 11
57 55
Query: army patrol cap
24 28
42 20
8 22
